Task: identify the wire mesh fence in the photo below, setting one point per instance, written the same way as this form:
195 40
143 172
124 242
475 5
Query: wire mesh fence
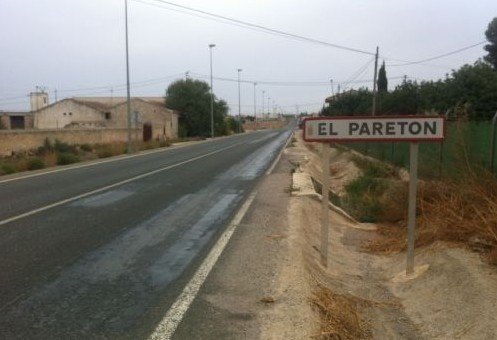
468 145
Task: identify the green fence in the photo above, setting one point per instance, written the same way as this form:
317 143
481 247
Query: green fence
466 144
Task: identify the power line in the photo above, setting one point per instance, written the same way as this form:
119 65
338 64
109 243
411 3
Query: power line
406 63
245 24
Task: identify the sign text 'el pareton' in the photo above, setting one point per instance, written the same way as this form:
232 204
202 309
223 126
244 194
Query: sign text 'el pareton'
410 128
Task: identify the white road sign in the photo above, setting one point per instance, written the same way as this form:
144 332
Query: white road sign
406 128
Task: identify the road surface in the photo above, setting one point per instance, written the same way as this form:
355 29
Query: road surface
103 251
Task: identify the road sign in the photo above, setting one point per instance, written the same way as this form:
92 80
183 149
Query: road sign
411 129
377 129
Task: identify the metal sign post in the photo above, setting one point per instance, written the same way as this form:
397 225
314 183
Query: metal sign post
413 129
411 210
325 216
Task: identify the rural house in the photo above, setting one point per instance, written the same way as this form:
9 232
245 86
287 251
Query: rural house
149 113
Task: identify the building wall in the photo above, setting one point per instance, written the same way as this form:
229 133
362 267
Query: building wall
164 121
28 120
63 113
5 120
12 141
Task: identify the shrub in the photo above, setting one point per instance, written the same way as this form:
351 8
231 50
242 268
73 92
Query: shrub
62 147
363 198
372 168
67 158
35 164
8 169
47 147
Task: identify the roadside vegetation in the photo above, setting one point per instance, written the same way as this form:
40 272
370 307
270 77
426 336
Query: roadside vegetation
53 153
470 91
192 99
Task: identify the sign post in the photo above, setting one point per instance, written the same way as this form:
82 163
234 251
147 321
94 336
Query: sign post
325 216
411 210
413 129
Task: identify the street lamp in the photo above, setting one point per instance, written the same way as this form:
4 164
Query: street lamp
255 107
128 90
212 93
263 101
239 103
268 107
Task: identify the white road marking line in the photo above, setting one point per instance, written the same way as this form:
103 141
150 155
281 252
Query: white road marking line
112 159
147 174
175 314
270 170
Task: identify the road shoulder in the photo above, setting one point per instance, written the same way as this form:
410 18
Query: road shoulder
258 288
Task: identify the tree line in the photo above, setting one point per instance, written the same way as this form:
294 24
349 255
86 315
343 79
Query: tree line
469 92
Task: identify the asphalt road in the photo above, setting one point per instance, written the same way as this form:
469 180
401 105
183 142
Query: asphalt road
102 251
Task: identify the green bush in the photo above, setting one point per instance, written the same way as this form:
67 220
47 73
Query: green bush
373 169
363 198
8 169
67 158
35 164
62 147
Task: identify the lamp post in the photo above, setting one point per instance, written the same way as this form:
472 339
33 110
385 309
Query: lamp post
239 103
212 93
255 107
268 107
128 90
263 101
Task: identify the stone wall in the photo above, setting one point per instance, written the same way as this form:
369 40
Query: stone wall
12 141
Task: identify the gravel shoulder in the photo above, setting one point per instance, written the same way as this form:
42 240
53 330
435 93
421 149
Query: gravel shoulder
259 287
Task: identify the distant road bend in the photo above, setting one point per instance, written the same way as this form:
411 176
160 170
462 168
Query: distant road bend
103 251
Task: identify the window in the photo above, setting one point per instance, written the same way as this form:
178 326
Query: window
65 113
70 113
107 115
44 100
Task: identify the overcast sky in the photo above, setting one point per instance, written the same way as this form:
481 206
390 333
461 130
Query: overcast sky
79 44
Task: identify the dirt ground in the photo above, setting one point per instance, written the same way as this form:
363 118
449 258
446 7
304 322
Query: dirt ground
453 299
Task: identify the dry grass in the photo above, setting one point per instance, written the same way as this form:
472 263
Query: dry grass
110 149
460 212
340 316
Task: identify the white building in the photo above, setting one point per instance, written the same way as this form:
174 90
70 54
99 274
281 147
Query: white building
149 113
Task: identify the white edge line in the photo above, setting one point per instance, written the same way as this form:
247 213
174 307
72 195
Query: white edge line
166 328
71 199
270 170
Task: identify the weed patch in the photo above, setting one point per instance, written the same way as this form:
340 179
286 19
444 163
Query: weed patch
462 212
340 316
67 158
36 164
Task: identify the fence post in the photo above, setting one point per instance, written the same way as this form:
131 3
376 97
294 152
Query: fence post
492 155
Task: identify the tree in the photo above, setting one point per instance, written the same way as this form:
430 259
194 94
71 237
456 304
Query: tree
192 99
491 48
382 79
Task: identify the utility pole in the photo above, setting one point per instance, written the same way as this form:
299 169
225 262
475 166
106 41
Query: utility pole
55 92
332 91
375 80
268 106
128 91
239 103
212 94
187 75
263 100
255 106
338 89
